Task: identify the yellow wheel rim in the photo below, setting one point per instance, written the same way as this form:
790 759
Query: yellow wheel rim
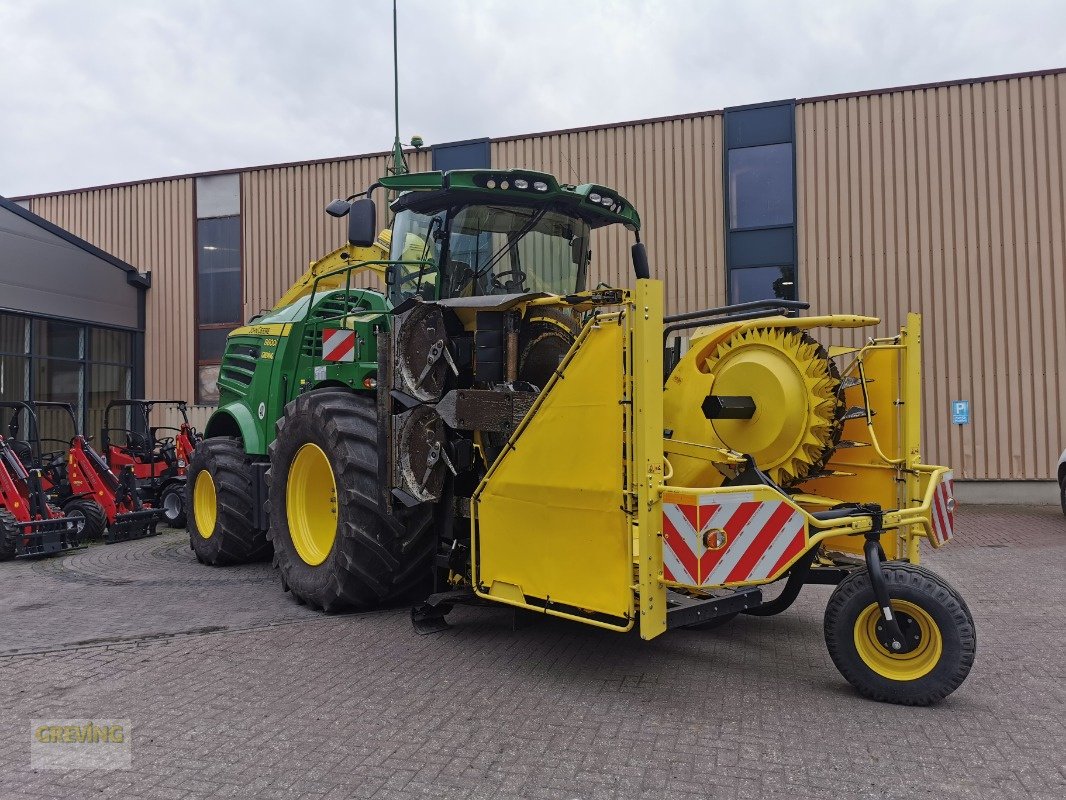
899 666
311 504
205 504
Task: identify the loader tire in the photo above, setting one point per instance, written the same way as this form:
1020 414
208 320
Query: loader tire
925 605
172 501
92 513
9 531
219 494
335 544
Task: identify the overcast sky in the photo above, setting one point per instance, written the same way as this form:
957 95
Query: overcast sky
101 91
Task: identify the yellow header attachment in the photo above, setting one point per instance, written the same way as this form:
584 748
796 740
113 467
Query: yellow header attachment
339 258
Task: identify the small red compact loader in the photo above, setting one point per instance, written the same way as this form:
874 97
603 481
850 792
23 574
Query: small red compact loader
159 463
80 481
29 524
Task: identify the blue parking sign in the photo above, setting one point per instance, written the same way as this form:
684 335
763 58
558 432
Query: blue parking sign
960 412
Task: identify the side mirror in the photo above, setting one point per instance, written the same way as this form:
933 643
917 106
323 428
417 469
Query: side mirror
640 261
338 208
362 223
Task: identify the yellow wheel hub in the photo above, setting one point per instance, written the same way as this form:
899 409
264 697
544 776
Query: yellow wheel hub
789 377
205 503
899 666
311 504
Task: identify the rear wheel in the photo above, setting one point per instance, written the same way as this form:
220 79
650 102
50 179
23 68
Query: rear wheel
91 512
1062 493
335 544
219 492
172 501
934 620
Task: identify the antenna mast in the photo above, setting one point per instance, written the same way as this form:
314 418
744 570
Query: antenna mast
399 162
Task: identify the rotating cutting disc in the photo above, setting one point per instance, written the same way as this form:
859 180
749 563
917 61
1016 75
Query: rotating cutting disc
795 387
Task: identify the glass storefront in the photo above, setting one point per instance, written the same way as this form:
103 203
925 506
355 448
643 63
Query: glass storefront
84 365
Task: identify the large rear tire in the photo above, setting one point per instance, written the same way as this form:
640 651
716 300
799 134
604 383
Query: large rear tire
219 493
927 610
92 513
337 548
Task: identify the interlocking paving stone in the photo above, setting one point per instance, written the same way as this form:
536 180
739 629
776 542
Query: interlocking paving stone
234 690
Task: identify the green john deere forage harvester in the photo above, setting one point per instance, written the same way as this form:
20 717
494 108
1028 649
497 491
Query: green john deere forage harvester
488 428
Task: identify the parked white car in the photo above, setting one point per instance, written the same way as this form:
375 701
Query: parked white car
1062 480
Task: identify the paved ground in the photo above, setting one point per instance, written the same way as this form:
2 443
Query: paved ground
233 690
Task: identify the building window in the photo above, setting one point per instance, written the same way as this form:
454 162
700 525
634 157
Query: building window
760 186
760 168
219 308
761 283
53 361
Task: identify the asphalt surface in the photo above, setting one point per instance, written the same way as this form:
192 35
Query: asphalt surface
234 690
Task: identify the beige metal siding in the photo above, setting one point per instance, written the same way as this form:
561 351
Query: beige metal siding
950 201
151 226
284 224
671 170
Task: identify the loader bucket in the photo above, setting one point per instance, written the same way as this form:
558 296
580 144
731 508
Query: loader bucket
134 525
47 537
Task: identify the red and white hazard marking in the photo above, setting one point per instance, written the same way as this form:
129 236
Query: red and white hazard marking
943 510
338 345
761 537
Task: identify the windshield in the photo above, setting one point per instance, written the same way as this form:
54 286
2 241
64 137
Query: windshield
490 250
507 249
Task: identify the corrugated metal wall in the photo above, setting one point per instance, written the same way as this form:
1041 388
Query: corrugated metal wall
284 224
152 226
949 201
671 170
945 200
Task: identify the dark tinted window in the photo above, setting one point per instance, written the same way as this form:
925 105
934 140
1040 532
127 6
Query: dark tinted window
111 346
56 339
212 344
107 382
762 283
12 334
218 243
760 186
14 375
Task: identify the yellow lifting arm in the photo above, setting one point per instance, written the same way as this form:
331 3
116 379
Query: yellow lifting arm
339 258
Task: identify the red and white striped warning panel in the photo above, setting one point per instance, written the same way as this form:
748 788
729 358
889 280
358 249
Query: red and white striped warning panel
943 511
729 538
338 345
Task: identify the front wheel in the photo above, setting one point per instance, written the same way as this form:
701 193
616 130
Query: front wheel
337 547
219 492
934 620
92 513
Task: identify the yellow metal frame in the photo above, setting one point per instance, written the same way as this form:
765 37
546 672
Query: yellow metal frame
645 471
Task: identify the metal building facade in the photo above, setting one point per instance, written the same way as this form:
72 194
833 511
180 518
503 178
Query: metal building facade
946 199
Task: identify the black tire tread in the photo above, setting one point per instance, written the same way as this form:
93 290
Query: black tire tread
379 558
839 625
235 540
8 531
95 517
